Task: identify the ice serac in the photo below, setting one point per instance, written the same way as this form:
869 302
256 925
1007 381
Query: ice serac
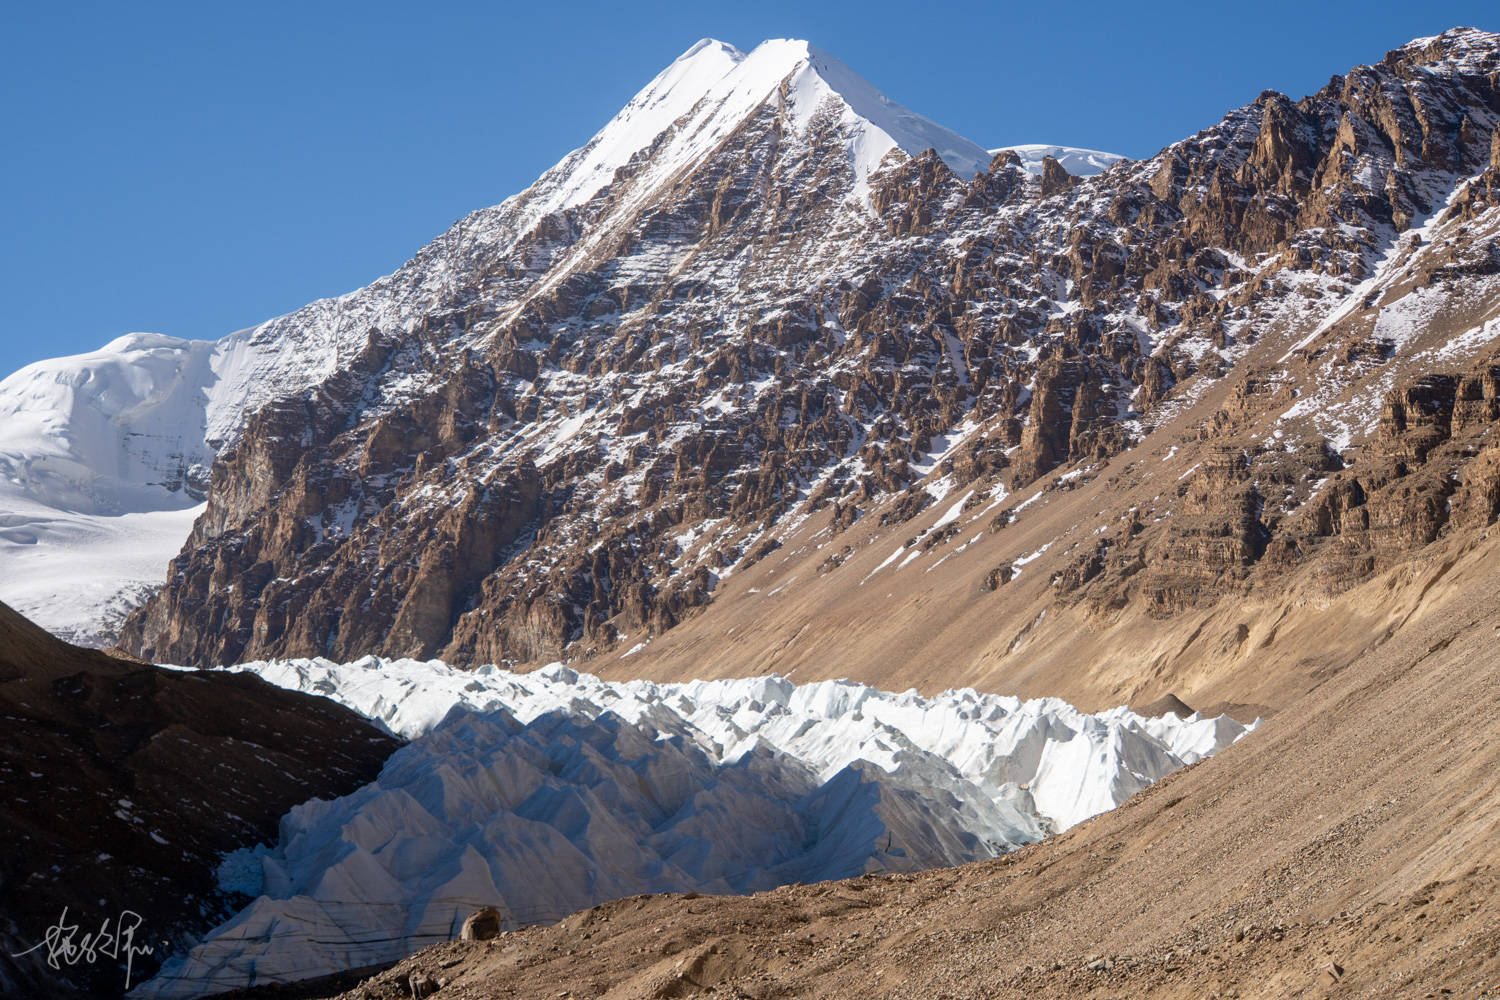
545 793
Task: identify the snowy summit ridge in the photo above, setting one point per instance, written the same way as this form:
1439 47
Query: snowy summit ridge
706 94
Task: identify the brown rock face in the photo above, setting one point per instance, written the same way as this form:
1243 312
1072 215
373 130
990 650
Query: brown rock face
1064 421
1215 537
1430 469
602 413
1055 179
1417 418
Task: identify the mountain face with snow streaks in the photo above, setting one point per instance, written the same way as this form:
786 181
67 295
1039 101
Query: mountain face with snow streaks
501 272
572 416
756 307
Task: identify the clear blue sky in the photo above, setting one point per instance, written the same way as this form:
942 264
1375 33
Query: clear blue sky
195 168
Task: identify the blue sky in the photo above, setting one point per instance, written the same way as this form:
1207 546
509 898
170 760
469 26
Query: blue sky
195 168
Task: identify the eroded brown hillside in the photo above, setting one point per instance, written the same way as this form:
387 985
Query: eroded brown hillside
122 784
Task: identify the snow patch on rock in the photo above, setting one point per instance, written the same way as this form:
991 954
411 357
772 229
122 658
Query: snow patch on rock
1076 161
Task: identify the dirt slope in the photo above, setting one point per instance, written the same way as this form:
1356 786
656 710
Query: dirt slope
1359 829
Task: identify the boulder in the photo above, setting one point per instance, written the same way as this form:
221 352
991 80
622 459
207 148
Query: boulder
481 925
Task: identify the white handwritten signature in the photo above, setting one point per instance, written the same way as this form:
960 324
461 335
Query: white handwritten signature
64 946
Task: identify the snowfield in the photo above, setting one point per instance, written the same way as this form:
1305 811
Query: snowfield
549 792
104 460
79 575
1079 162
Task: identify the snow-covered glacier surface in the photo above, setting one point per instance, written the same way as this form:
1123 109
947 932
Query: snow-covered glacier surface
104 460
1076 161
545 793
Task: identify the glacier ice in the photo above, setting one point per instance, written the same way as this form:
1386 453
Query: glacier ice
548 792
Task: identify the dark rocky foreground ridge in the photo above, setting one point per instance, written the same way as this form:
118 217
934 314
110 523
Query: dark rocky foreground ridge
557 431
121 784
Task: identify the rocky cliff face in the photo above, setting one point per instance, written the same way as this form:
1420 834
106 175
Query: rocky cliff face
1249 514
574 415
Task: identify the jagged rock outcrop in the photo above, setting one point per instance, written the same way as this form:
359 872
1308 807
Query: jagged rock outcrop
1432 467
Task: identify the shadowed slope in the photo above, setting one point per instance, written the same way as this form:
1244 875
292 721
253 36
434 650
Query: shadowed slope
121 784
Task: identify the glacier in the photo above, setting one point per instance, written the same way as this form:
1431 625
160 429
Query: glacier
548 792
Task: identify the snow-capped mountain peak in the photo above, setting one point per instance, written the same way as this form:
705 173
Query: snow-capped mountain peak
115 430
706 94
132 429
